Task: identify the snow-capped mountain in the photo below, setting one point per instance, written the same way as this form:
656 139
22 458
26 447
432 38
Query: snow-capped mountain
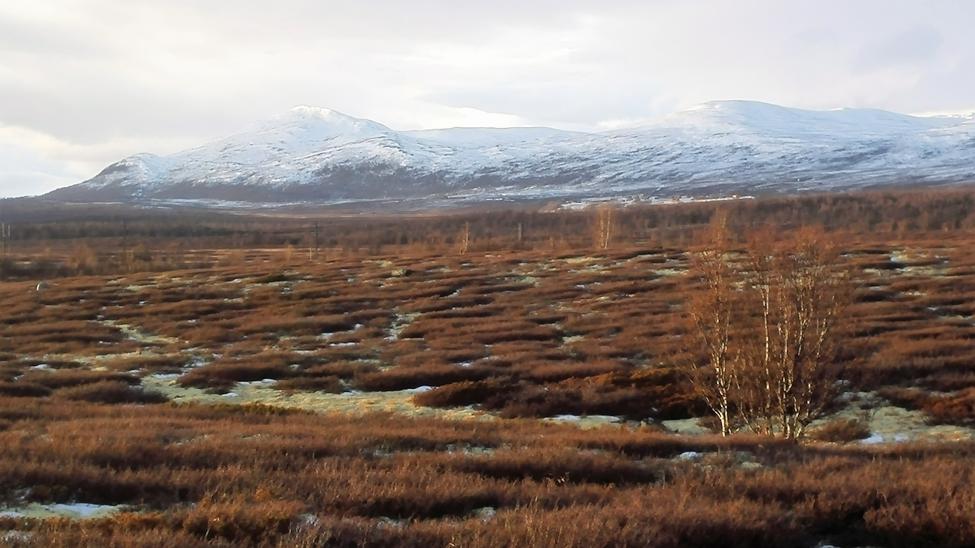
723 147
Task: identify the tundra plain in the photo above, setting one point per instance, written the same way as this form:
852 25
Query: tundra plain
467 379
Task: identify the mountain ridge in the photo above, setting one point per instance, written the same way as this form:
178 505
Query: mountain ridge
720 147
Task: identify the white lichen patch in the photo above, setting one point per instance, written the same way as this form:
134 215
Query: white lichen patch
892 424
685 426
580 260
585 421
667 272
350 403
399 324
137 335
78 510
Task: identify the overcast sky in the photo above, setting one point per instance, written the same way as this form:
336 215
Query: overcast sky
86 82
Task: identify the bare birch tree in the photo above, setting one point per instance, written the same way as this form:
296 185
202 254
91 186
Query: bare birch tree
464 244
603 229
797 290
711 311
769 326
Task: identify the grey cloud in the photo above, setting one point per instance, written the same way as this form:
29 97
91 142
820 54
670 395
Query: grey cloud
584 102
909 47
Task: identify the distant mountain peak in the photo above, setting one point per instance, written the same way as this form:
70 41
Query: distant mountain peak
323 120
315 113
310 110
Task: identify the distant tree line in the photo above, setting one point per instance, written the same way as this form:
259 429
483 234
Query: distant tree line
59 232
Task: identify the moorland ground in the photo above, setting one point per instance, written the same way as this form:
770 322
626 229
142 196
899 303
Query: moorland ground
488 378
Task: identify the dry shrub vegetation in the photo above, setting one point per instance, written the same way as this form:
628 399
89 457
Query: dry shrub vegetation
583 315
236 476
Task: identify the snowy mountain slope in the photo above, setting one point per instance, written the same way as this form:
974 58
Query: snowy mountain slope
312 154
774 120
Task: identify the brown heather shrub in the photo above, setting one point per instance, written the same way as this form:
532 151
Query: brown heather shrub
274 277
516 333
24 390
462 308
557 371
954 408
53 364
401 378
64 378
186 307
562 466
342 369
225 374
551 400
463 393
110 392
156 364
211 334
949 381
9 374
295 326
242 520
842 431
910 398
331 385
